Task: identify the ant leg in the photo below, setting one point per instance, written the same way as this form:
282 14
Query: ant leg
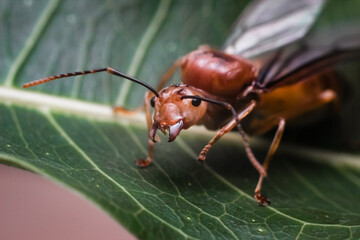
262 200
141 162
167 75
227 128
124 111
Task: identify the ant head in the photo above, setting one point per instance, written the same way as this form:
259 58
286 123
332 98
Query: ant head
173 112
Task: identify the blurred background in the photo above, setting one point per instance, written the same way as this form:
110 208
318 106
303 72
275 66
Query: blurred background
32 207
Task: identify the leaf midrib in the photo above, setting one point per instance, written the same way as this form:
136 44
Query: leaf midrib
101 112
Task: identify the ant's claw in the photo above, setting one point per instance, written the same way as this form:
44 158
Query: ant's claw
141 163
202 162
262 200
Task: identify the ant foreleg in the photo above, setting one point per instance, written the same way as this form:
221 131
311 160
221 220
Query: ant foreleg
167 75
125 111
227 128
262 200
164 79
145 162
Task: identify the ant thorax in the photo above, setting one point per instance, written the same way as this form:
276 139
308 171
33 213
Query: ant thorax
216 72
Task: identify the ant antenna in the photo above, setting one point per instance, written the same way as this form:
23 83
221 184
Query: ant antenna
108 69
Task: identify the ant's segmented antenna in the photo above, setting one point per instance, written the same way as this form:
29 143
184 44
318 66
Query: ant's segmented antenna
108 69
64 75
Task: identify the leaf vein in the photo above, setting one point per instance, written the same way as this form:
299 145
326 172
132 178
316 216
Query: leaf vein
187 149
315 190
350 176
31 42
96 167
20 132
117 153
144 45
85 47
137 141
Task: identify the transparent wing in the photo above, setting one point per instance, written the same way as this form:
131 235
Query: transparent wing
269 24
306 61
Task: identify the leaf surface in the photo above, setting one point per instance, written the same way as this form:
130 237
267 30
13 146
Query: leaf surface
66 131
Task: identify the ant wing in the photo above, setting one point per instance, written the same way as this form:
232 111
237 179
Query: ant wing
266 25
303 61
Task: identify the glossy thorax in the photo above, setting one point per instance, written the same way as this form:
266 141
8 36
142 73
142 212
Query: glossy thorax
216 72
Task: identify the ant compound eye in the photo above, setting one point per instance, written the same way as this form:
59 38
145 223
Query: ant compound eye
152 101
196 102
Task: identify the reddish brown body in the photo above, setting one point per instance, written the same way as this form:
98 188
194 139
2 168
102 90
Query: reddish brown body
229 79
214 83
216 72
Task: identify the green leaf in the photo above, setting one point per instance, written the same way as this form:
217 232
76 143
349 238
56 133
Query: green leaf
66 131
